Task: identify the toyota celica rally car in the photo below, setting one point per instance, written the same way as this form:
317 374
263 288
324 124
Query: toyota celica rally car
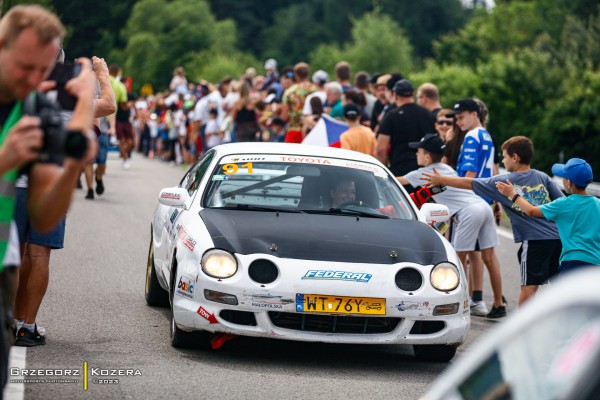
256 240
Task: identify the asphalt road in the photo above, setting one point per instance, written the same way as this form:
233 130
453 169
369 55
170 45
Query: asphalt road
95 312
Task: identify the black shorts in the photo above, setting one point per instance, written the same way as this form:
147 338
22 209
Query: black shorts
539 260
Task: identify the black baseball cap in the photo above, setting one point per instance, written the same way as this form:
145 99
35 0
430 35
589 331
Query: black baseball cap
404 88
351 111
430 142
464 105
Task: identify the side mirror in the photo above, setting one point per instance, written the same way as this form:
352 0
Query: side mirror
435 213
174 197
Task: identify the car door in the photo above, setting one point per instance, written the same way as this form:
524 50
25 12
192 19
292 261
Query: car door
191 181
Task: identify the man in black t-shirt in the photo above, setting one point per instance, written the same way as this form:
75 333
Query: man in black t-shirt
406 123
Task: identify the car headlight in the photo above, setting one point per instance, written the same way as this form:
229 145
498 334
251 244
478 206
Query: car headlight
219 264
444 277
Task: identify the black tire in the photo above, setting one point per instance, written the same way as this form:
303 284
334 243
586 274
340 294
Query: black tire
155 295
434 352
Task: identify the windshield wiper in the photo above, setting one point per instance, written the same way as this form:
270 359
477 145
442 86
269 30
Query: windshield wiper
251 207
346 211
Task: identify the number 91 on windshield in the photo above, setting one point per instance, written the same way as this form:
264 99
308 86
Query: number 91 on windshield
317 303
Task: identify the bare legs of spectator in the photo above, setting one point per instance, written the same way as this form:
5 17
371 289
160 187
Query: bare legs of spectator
88 170
527 292
33 282
490 259
493 265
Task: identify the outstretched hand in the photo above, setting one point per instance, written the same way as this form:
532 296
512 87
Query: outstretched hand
507 189
433 179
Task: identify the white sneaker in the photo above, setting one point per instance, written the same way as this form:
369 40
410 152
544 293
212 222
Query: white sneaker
41 330
479 308
126 164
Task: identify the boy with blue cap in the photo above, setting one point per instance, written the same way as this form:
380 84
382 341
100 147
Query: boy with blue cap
577 216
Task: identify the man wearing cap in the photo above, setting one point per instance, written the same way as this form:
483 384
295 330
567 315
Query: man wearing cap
577 216
476 158
540 243
406 123
473 220
358 137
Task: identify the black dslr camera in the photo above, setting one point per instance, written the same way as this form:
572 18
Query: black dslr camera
57 143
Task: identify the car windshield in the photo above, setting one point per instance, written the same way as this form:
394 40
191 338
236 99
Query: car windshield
305 184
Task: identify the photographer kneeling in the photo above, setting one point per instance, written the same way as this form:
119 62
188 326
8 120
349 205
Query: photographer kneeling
30 39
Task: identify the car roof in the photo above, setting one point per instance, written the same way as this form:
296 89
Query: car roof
293 149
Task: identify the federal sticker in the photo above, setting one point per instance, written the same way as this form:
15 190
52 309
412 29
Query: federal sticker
337 275
220 177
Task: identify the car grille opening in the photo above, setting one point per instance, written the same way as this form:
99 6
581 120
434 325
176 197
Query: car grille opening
238 317
409 279
427 327
263 271
333 323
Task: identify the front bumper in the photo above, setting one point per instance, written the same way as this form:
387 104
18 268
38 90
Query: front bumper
271 310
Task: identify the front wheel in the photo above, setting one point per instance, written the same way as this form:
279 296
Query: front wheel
155 295
434 352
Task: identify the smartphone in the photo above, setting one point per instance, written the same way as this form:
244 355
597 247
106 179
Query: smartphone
62 73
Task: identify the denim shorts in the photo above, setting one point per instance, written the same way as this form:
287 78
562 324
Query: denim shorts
103 144
54 239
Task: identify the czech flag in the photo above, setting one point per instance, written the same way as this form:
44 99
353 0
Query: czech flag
326 132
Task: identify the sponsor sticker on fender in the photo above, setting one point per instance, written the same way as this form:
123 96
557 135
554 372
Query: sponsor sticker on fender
185 287
186 240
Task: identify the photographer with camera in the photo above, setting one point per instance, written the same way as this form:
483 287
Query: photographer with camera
30 39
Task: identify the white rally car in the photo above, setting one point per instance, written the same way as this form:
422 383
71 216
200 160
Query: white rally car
303 243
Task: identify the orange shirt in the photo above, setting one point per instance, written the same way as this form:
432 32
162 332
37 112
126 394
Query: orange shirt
359 138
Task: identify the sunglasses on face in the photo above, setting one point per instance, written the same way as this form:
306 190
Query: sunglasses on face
444 122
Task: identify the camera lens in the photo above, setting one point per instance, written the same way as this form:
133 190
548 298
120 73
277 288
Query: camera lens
75 145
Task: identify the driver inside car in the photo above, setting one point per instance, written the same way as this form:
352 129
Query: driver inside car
344 192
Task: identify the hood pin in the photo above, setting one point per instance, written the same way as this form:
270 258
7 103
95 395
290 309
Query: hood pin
273 247
393 254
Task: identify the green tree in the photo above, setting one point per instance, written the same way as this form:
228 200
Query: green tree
453 81
164 34
373 36
507 29
571 122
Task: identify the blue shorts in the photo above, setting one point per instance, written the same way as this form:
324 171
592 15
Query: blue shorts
54 239
103 145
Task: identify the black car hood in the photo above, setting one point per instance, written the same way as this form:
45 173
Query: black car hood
337 238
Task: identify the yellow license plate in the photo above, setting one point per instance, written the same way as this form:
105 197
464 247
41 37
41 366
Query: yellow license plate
318 303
